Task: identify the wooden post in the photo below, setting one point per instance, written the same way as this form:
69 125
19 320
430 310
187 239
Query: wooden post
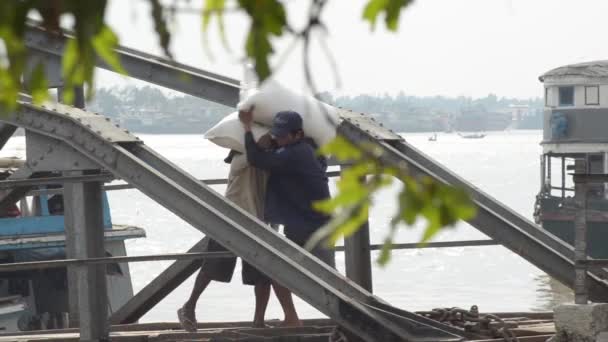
580 235
357 257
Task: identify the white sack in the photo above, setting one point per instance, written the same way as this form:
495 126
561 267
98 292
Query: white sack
272 98
229 133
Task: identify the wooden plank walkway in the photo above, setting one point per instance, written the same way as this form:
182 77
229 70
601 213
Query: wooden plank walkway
312 331
528 327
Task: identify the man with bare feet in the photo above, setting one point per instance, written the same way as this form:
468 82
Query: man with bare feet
297 179
246 188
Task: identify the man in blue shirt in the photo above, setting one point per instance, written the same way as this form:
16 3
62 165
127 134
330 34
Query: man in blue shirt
297 180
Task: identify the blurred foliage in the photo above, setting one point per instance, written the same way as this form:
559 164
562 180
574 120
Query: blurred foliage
390 8
93 39
439 205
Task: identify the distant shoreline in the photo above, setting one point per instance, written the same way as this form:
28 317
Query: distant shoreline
414 132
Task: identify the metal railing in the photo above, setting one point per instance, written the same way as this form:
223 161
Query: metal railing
37 265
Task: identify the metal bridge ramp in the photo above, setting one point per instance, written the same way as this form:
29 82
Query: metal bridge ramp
95 138
494 219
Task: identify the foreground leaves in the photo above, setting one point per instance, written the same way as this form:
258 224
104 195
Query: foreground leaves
438 205
12 61
268 19
390 8
92 39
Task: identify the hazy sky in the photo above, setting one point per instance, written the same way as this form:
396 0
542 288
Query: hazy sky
443 47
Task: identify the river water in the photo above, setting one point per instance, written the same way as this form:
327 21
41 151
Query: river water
503 164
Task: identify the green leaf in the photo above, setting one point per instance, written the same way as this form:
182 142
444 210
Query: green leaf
358 217
214 8
70 57
70 72
342 149
39 85
385 252
12 62
10 90
390 8
259 48
345 198
160 26
105 42
347 222
268 19
68 95
430 231
372 10
461 204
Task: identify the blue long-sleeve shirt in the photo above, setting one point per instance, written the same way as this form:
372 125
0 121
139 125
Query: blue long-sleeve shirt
297 179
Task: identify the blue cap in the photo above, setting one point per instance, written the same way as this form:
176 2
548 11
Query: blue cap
285 122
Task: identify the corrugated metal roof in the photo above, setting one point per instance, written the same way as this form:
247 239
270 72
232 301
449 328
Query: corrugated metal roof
587 69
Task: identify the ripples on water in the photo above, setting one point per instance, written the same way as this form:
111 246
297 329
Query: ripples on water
504 164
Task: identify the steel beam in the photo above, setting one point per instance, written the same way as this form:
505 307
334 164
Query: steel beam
85 237
112 187
357 256
438 244
271 259
6 132
41 265
590 178
329 275
237 230
30 182
502 224
178 272
11 196
69 228
158 288
159 71
268 235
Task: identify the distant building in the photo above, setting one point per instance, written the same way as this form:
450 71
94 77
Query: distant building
519 112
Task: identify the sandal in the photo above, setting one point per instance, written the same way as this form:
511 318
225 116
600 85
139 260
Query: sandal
187 322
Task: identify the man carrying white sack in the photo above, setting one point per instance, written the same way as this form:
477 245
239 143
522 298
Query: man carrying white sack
246 188
297 180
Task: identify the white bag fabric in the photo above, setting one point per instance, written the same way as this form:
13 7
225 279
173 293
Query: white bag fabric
319 119
229 133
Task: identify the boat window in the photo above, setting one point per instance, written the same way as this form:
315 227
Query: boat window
566 96
595 165
547 93
592 95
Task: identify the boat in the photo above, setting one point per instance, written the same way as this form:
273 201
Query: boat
433 137
574 128
32 229
472 136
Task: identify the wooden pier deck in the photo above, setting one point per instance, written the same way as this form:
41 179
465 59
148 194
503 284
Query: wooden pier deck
528 327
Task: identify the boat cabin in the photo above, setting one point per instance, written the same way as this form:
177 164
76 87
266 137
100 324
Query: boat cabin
33 230
574 127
